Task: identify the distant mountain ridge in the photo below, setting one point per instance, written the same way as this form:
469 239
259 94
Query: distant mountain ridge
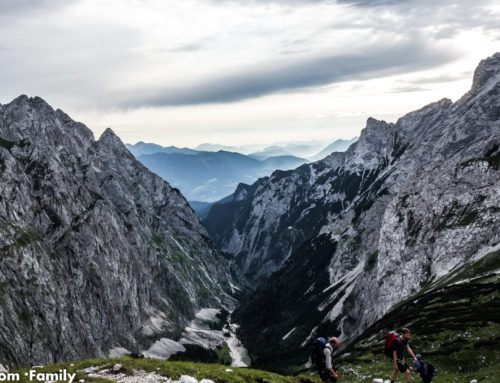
337 146
142 148
207 176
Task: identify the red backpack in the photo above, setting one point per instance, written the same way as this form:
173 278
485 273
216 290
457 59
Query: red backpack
389 342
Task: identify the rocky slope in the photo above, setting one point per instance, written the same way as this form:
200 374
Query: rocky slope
96 252
357 232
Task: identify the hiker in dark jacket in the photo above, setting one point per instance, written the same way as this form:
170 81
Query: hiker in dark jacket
400 346
424 369
328 374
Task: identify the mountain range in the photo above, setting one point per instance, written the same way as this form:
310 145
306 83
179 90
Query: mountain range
100 256
304 149
208 176
333 245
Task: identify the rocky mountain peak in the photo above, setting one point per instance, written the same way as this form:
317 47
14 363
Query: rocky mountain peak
30 119
110 140
371 147
25 103
240 193
109 135
92 244
486 70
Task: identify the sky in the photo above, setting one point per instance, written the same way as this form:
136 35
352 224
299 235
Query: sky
236 72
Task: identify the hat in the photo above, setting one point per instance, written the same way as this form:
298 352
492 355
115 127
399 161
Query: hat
418 356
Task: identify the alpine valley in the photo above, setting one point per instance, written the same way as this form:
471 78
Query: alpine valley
332 246
99 256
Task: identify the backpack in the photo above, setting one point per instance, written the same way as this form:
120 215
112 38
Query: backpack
317 352
390 338
431 371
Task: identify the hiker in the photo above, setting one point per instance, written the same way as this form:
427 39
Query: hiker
328 373
424 369
399 347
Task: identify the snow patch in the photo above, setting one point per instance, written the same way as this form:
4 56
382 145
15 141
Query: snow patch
310 289
485 251
237 352
198 332
348 278
163 348
153 325
289 333
337 309
118 352
233 287
207 314
2 368
308 339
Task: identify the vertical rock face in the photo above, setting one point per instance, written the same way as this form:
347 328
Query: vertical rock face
353 234
96 251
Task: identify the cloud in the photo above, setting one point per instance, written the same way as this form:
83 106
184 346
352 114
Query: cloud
443 78
271 78
107 55
267 2
408 89
190 47
360 3
12 8
374 3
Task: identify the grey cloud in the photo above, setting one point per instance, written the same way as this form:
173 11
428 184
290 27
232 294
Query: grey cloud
443 78
318 71
73 62
81 63
360 3
188 47
408 89
193 45
448 16
12 8
267 2
374 3
417 85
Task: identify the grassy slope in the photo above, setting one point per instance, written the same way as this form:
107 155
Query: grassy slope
174 370
455 325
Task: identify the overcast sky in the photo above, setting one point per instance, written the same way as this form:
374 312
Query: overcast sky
241 71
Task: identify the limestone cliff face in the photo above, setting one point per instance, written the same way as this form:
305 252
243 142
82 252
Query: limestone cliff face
357 232
96 252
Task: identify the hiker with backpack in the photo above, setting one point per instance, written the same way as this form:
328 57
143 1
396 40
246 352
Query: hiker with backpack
424 369
321 358
395 347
